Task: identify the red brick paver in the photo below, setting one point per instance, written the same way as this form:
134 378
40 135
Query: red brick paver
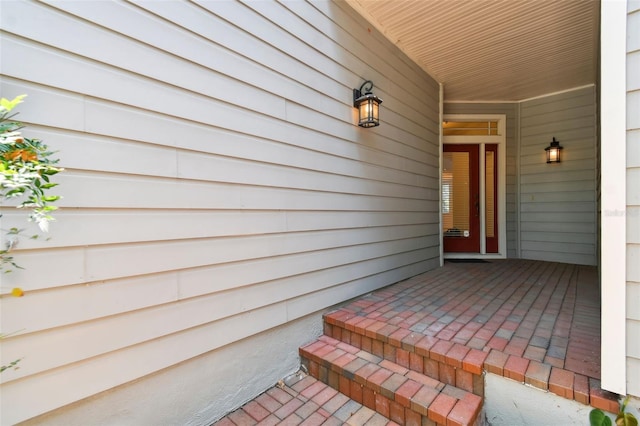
440 408
534 322
323 409
538 315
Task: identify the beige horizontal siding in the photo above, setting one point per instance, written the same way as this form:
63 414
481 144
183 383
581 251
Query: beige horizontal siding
216 185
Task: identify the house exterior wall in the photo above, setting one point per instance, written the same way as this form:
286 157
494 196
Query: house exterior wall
510 110
216 191
551 208
633 199
558 209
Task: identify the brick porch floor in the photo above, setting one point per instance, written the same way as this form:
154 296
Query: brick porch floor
534 322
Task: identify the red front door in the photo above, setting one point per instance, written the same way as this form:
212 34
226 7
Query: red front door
461 199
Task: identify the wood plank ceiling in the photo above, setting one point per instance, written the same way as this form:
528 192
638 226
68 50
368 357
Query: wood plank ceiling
494 50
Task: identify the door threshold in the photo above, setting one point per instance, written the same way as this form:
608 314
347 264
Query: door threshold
473 256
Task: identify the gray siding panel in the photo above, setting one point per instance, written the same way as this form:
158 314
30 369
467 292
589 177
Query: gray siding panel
549 203
558 201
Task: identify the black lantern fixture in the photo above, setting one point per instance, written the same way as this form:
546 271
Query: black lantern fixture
368 105
553 151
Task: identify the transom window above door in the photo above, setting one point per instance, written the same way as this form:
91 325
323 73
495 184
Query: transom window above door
470 128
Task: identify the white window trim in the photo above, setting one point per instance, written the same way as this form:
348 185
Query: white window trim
501 141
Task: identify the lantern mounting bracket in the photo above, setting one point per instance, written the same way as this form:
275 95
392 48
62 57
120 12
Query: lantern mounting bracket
358 93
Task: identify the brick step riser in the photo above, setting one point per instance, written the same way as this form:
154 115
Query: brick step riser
395 344
358 392
463 369
402 395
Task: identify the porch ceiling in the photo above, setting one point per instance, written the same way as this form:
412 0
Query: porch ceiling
490 50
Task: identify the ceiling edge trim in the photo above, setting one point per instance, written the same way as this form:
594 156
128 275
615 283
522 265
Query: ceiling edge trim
482 102
573 89
523 100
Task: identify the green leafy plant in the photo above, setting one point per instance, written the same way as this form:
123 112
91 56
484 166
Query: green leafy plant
26 167
598 418
25 170
12 364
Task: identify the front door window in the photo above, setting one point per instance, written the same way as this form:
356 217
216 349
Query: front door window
469 213
461 199
491 197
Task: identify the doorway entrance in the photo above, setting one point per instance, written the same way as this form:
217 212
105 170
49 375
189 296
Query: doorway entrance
461 199
472 187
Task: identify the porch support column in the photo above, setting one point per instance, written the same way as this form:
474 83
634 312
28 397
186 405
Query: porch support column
613 250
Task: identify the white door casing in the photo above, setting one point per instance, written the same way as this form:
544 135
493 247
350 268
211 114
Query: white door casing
500 140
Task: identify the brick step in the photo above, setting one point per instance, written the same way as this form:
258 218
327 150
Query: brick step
449 362
403 395
301 399
459 365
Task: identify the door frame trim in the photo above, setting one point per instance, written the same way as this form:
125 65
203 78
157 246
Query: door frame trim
501 141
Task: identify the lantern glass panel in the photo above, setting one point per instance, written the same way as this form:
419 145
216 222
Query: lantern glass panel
553 155
368 112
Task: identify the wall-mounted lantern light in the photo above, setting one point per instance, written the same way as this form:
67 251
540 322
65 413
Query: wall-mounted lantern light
368 105
553 151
